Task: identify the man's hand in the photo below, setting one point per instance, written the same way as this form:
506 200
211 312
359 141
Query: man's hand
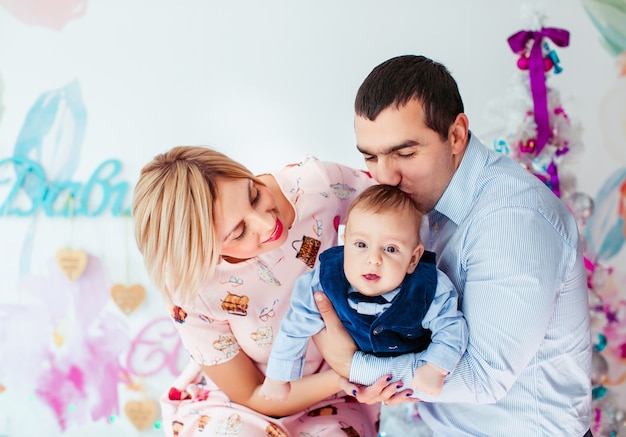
335 344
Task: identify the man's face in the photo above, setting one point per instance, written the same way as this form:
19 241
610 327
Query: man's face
400 150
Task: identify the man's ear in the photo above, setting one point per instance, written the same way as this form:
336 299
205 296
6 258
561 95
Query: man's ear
415 258
458 135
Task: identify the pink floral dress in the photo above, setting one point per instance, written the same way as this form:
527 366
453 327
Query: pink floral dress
240 309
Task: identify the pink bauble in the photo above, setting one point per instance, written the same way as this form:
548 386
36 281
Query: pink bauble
522 63
547 64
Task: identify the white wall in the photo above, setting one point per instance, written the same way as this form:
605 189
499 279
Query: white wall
266 82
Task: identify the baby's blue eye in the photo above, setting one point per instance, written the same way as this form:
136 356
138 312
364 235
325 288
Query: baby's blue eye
390 249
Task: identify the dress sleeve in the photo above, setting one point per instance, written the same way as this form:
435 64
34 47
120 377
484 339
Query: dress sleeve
208 341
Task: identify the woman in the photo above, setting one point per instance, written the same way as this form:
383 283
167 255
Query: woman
225 247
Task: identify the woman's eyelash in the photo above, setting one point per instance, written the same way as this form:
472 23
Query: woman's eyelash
244 231
256 196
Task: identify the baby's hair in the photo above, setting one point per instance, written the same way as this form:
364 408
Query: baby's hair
173 210
384 198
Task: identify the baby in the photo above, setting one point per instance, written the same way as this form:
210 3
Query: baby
386 290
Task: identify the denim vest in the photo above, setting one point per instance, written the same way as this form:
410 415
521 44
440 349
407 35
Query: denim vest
398 330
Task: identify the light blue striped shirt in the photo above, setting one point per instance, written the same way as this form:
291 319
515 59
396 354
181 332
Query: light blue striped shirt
512 249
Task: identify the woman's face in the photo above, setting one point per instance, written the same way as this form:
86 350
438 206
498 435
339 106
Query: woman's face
247 219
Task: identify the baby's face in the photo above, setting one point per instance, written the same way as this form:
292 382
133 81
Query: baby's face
379 250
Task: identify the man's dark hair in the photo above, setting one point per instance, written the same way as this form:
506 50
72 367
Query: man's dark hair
403 78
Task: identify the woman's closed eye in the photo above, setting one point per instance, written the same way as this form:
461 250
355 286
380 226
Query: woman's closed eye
244 232
255 197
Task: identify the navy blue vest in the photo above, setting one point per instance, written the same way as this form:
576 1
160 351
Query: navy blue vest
398 329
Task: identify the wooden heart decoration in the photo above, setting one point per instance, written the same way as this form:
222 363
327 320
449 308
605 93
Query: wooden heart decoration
128 298
72 262
141 413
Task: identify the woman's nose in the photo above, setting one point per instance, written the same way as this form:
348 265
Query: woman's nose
265 223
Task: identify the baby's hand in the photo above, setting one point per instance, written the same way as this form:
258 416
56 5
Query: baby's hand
275 390
429 379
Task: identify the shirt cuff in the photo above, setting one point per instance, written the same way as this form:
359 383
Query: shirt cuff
442 356
366 369
285 370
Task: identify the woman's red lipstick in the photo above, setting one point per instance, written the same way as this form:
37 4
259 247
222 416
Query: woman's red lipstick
278 231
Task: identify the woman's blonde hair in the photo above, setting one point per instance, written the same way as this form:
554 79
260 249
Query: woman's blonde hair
173 211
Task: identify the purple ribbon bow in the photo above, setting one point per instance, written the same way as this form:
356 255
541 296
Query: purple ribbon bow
518 43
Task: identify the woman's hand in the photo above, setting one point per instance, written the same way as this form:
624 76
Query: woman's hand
334 342
384 390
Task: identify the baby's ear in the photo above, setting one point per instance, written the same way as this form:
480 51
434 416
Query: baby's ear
415 258
341 234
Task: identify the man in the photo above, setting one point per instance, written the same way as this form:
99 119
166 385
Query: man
508 244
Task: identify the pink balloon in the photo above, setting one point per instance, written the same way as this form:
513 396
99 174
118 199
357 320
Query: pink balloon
54 14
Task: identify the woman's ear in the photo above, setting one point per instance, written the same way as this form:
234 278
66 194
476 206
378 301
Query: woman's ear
415 258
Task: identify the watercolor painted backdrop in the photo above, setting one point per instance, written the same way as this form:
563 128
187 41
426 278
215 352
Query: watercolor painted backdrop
90 91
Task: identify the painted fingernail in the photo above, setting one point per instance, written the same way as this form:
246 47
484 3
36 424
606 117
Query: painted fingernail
399 386
353 392
408 395
389 378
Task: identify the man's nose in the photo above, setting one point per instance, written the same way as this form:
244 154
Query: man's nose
387 173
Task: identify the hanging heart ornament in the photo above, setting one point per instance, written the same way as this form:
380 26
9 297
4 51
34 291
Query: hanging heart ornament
128 298
72 262
141 413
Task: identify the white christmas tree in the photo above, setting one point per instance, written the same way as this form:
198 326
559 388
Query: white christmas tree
521 120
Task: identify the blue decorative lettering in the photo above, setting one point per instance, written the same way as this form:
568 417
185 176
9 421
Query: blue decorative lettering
31 191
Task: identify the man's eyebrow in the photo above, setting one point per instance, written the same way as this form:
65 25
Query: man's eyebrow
391 149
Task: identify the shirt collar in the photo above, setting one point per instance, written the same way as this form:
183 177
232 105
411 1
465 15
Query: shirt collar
454 202
388 296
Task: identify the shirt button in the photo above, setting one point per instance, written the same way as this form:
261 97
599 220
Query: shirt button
435 227
377 330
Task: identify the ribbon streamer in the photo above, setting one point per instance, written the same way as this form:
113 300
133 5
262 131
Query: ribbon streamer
518 43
